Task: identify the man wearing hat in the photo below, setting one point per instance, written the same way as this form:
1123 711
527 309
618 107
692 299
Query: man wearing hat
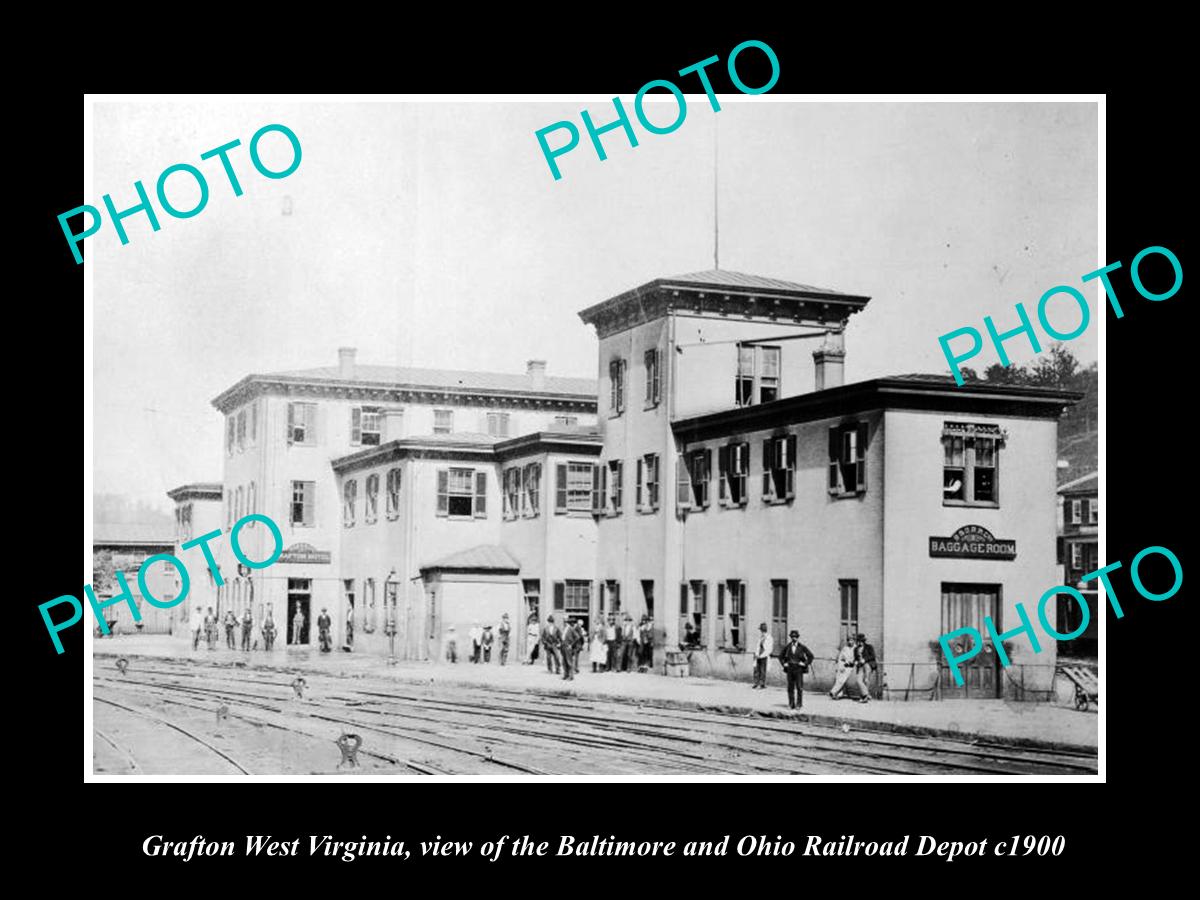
796 659
864 666
766 645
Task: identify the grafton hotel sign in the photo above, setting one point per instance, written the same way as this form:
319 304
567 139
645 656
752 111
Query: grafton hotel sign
972 542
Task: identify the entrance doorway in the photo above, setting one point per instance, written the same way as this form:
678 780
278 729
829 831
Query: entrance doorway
966 606
299 601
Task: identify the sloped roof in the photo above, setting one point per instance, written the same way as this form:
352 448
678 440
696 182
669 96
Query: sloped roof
485 556
1083 483
725 278
132 534
444 378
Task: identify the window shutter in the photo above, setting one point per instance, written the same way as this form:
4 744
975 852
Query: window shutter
766 469
683 482
640 467
1084 515
560 595
683 598
861 467
722 472
621 399
791 465
291 418
560 488
310 502
657 376
481 495
706 473
834 451
356 425
596 489
443 492
720 638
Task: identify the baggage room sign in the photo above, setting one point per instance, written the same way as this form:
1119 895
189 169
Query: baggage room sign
972 542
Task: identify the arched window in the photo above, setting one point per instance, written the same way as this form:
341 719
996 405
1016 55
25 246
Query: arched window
372 499
393 493
349 498
372 610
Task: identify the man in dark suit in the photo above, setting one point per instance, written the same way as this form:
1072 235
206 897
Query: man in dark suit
796 659
551 639
571 641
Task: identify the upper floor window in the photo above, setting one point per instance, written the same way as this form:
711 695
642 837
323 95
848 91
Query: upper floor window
366 425
302 423
443 421
1076 512
349 499
371 513
532 480
497 424
616 386
304 495
566 420
647 483
616 486
971 465
512 492
733 461
653 377
573 487
1094 511
848 458
692 476
462 493
779 468
241 430
393 493
253 423
758 375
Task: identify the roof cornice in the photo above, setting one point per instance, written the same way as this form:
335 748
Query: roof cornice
882 393
663 296
394 392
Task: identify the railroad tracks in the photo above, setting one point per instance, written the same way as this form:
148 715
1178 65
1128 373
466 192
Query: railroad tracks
460 730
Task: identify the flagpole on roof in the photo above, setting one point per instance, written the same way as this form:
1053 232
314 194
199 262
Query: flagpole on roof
716 220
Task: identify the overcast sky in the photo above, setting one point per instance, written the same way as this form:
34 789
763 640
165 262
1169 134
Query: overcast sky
434 235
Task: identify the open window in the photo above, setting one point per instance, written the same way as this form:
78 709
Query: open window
779 468
848 459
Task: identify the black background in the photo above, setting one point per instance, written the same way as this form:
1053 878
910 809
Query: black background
1148 695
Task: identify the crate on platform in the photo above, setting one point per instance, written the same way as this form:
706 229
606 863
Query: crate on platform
677 664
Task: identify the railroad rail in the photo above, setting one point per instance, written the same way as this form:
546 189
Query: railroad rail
408 727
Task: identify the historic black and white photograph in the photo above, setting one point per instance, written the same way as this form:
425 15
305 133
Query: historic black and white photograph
441 438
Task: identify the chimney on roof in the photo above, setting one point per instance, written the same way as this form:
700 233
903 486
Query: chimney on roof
536 370
830 361
346 362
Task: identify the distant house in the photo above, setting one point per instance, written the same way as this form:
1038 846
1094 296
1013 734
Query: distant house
123 547
1078 553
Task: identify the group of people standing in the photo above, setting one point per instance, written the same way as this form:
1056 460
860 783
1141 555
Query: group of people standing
855 660
209 624
615 646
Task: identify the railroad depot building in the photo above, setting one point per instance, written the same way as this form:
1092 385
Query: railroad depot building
741 482
717 474
374 474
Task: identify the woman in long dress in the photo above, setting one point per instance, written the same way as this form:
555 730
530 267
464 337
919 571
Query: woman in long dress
598 651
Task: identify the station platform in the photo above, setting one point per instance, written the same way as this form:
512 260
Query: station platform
994 721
